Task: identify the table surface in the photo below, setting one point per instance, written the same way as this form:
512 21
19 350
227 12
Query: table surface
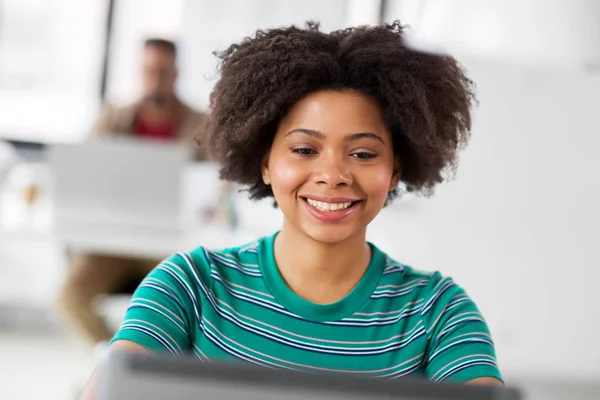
20 222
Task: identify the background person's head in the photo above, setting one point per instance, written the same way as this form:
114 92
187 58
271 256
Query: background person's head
159 71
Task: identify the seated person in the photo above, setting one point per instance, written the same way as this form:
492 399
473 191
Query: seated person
328 124
159 115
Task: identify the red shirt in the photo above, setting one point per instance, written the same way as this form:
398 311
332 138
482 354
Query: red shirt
144 130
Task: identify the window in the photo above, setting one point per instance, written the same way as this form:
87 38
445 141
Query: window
50 65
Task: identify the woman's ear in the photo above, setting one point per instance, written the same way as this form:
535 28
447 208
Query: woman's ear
265 172
396 175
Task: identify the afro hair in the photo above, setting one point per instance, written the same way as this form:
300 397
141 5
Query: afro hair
425 98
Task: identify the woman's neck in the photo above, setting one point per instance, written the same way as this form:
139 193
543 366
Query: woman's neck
320 272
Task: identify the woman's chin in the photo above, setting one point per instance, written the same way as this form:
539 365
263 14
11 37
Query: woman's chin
330 235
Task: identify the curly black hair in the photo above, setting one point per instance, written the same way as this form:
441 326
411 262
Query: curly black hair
425 98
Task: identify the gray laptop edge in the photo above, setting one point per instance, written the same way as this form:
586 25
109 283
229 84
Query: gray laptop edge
136 376
112 182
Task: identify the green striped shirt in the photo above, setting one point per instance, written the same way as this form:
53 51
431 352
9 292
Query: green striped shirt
234 305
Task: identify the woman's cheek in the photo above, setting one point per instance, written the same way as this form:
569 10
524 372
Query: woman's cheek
378 183
285 175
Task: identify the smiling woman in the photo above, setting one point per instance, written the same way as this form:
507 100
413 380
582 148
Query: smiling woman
327 124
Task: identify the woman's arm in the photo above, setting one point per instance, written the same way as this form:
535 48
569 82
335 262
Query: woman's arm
485 381
90 392
91 389
460 347
159 314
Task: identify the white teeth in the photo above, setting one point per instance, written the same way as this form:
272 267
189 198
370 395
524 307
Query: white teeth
322 206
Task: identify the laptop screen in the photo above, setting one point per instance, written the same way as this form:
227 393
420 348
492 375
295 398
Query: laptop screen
144 376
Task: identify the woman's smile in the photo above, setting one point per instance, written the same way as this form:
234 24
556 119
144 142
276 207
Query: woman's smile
330 209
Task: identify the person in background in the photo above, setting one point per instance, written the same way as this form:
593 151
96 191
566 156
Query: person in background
158 115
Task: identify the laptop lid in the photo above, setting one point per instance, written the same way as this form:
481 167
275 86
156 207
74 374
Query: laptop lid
118 181
135 376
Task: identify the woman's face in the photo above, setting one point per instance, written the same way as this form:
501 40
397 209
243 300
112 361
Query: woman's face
331 165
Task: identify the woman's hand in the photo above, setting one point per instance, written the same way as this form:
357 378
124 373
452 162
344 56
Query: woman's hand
486 381
90 392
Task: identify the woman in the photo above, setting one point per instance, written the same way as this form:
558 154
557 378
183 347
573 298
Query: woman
327 124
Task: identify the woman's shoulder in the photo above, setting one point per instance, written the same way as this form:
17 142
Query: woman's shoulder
430 285
202 262
396 270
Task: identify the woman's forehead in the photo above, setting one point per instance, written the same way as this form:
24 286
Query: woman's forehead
331 111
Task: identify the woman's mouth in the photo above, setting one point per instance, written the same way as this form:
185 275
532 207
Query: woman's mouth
330 211
323 206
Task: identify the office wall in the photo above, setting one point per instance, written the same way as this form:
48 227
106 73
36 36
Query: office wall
50 68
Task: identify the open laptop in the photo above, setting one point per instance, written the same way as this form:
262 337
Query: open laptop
112 182
135 376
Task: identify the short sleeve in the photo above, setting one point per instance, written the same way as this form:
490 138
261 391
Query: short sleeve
163 308
460 347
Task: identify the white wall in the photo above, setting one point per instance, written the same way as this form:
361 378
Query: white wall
519 227
50 67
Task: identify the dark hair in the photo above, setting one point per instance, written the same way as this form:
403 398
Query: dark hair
163 44
425 98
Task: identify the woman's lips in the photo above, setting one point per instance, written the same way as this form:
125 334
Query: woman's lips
331 215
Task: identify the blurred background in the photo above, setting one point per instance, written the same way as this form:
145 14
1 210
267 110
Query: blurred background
518 228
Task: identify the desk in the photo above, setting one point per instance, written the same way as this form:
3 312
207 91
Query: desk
143 243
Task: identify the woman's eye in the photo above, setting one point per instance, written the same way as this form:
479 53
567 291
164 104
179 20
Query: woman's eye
304 151
363 155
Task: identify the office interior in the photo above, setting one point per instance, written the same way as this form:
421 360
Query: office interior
517 227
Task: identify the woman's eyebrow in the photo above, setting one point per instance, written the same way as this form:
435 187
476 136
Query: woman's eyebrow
348 138
310 132
363 135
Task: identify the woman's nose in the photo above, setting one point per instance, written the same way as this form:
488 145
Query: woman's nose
332 171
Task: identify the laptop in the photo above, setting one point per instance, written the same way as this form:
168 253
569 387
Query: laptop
106 183
137 376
